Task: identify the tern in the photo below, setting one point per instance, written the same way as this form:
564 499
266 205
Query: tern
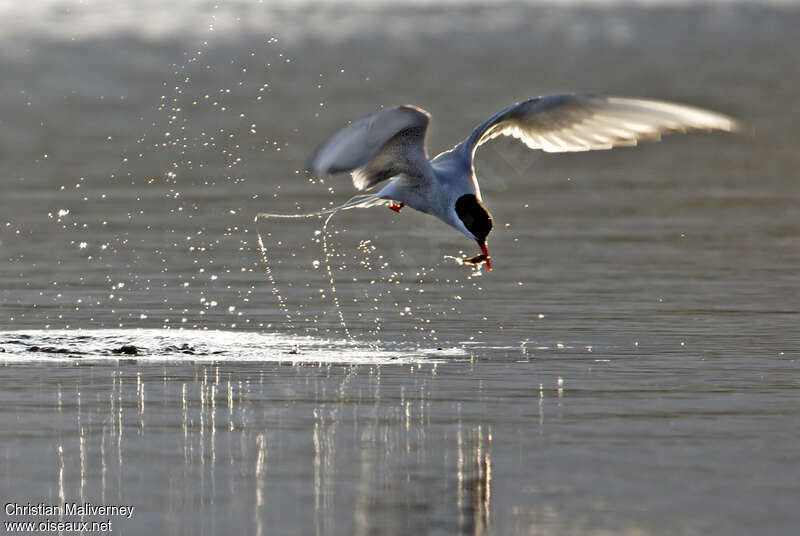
389 147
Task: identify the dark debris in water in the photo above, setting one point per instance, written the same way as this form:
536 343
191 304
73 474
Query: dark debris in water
126 349
183 348
54 350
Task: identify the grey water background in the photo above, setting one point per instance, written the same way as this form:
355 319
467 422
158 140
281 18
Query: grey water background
630 365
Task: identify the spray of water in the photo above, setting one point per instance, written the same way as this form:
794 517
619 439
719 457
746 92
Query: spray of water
359 201
273 284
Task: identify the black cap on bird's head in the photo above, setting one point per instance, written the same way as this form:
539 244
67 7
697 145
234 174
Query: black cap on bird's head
477 220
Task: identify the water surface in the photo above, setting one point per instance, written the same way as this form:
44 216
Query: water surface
629 366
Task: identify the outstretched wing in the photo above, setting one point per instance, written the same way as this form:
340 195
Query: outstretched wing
561 123
387 143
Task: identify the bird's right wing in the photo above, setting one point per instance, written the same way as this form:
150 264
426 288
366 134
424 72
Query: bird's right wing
380 146
560 123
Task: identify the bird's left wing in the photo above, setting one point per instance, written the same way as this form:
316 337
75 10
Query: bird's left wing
380 146
561 123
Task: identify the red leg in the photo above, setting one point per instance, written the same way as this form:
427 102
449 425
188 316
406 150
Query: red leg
397 208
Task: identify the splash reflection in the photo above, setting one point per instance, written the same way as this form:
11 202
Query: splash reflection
320 448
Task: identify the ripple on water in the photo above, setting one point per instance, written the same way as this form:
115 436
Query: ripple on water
40 346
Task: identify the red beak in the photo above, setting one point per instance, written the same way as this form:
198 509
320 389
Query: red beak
485 251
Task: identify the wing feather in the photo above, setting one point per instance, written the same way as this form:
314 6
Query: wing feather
380 146
561 123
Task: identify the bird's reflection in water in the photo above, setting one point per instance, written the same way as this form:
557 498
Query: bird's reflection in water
328 449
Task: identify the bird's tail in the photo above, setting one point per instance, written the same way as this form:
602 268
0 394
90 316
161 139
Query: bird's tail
358 201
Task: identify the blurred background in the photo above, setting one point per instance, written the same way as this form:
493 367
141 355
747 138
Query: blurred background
138 140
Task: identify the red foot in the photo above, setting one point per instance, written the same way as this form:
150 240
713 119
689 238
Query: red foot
397 208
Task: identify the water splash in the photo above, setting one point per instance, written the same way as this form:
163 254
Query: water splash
477 268
358 201
273 283
334 296
191 345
